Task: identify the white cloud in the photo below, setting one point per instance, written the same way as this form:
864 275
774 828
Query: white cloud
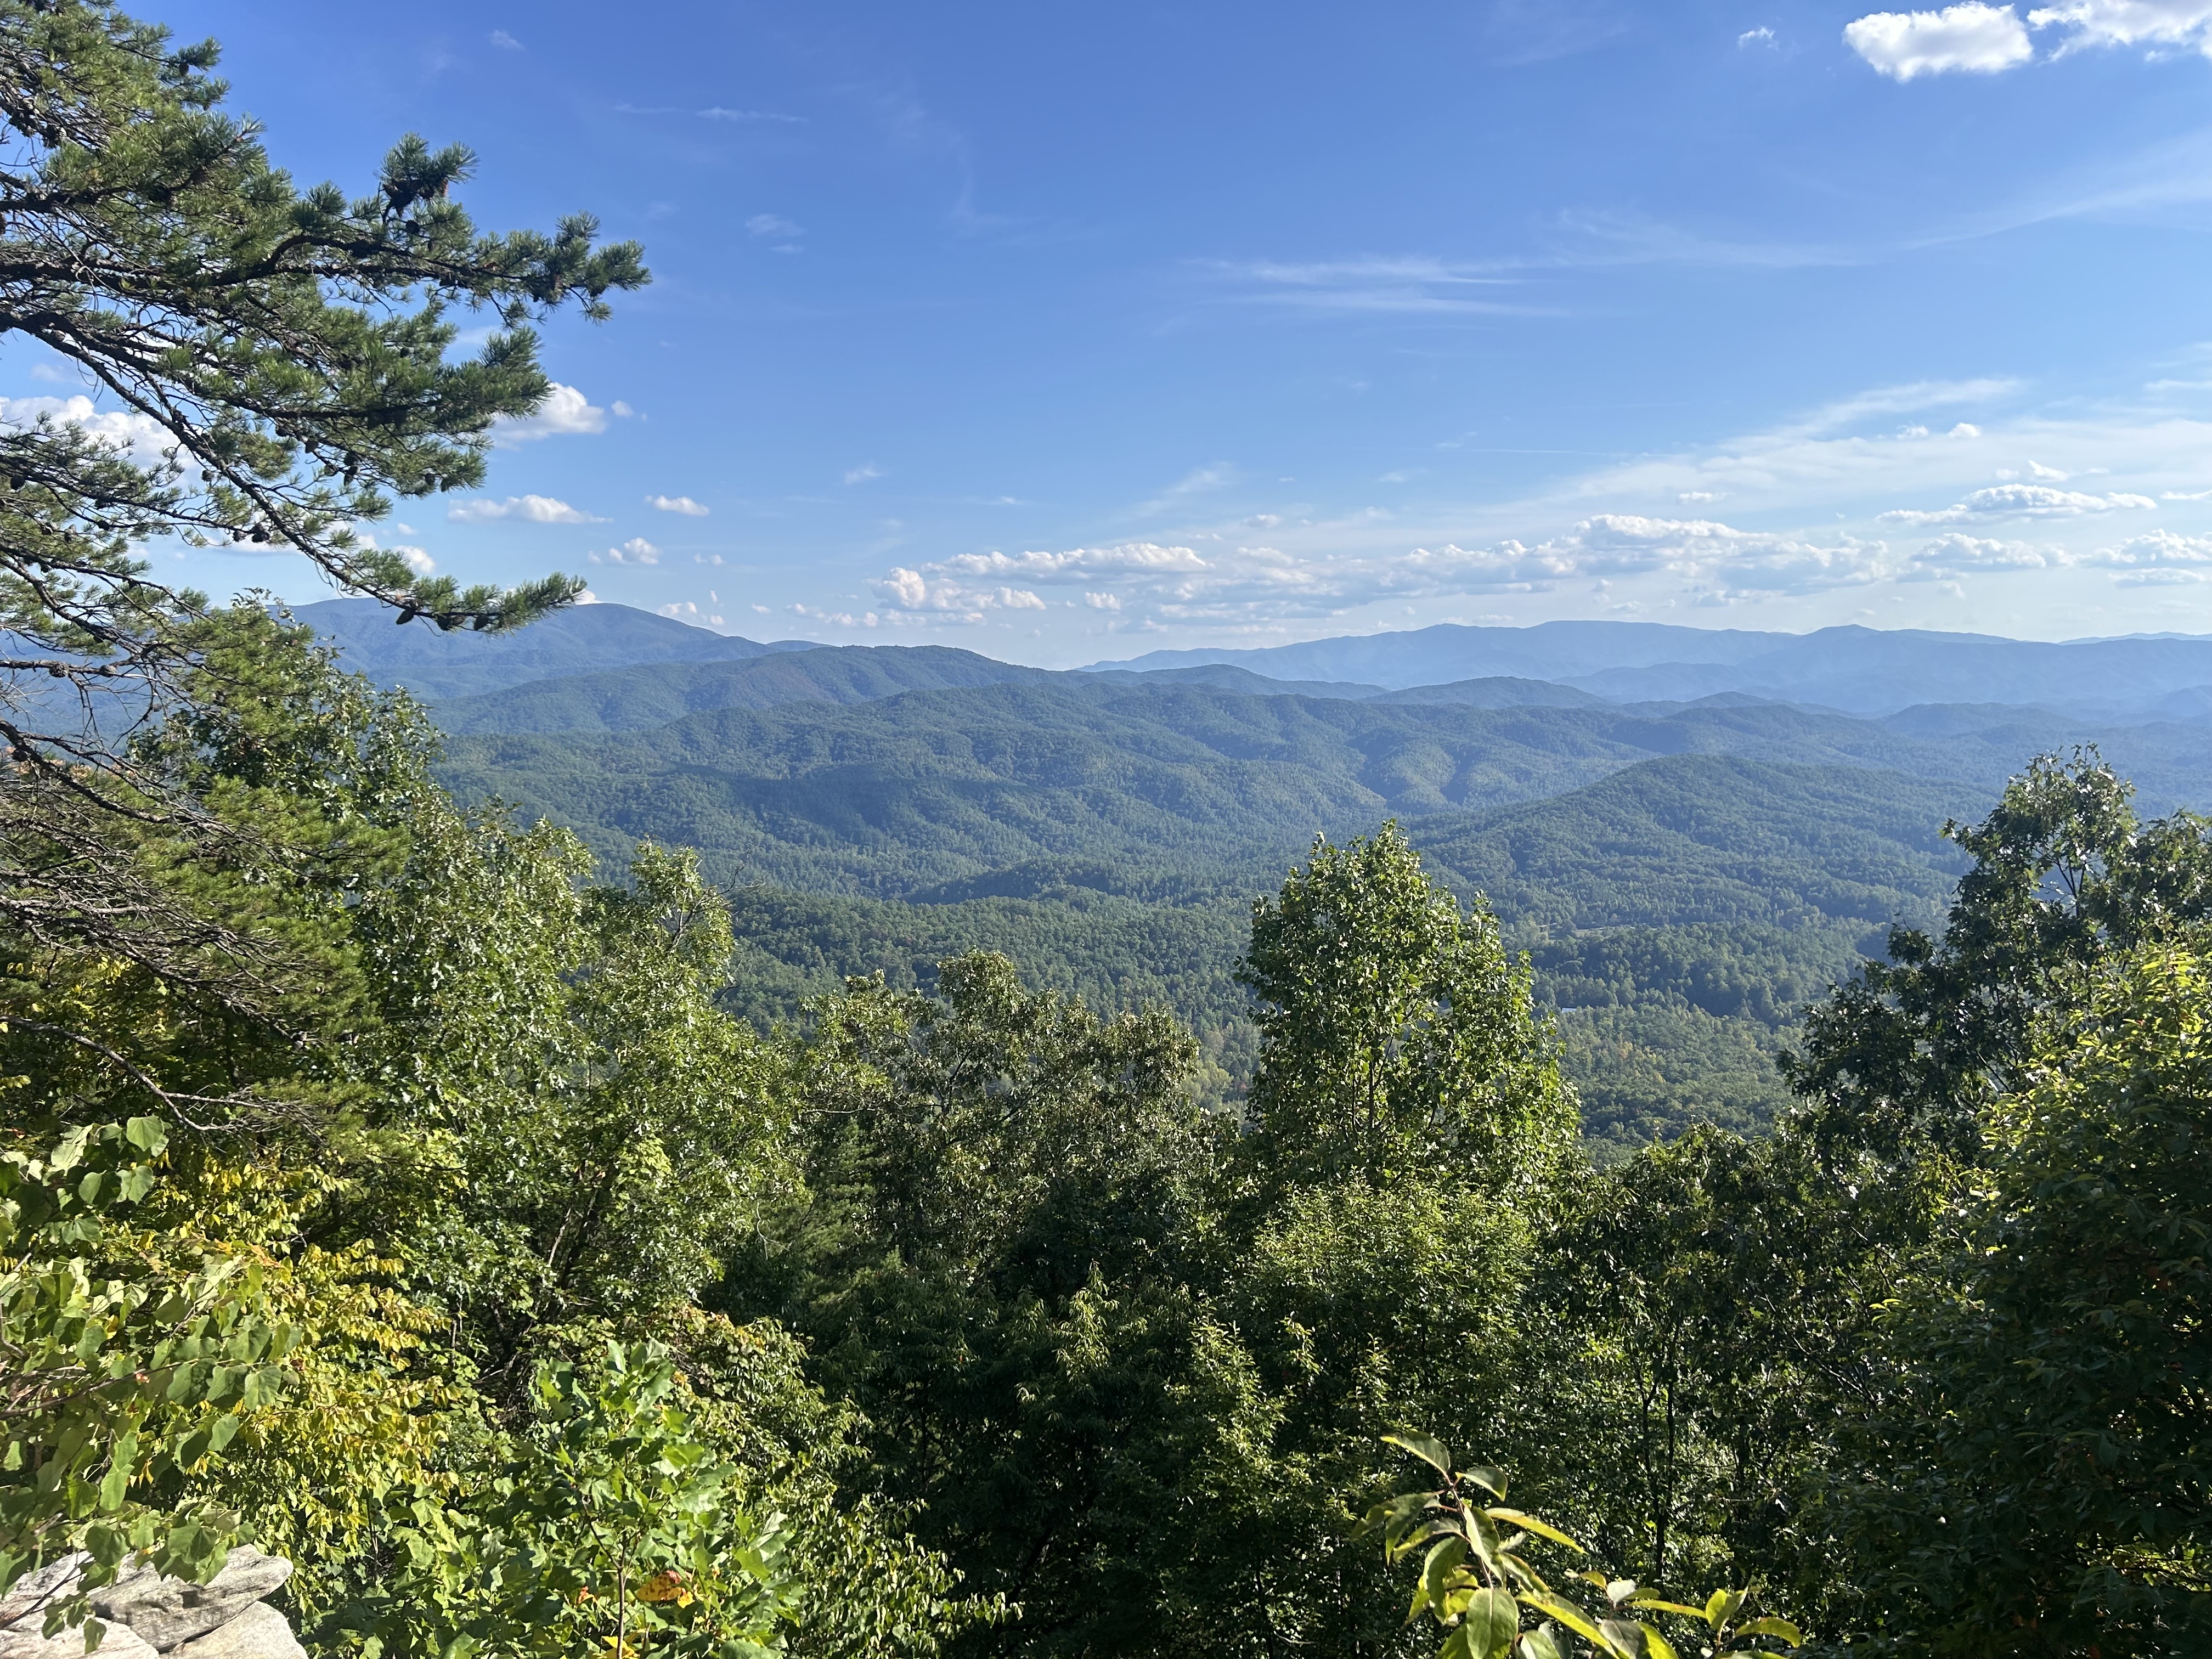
2130 23
1972 39
1761 36
684 611
586 597
712 112
505 41
535 510
1078 564
635 550
908 590
1411 283
2018 501
417 561
1949 557
566 412
1909 399
862 473
772 224
142 437
1964 429
2158 550
683 504
622 410
1247 583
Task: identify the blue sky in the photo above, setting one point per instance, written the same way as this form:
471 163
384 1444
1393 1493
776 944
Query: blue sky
1065 331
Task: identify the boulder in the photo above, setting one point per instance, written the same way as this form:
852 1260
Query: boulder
260 1633
29 1596
22 1641
169 1611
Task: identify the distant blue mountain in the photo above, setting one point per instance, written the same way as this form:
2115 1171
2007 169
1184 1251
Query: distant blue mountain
1864 670
581 640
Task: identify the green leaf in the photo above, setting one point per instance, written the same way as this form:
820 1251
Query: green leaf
1540 1644
1559 1607
1662 1605
1490 1479
1436 1574
1494 1619
1541 1529
1721 1606
1430 1449
1780 1628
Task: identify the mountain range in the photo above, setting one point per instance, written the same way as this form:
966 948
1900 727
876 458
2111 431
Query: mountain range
1856 670
1685 871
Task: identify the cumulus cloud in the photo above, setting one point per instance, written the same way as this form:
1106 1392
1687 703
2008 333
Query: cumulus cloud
144 439
2130 23
2018 501
635 550
535 509
1722 562
418 560
911 591
1148 582
1761 36
1979 39
1949 558
2157 549
566 412
683 504
1970 39
685 612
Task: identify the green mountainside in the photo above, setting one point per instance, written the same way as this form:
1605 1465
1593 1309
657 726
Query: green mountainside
1685 877
636 699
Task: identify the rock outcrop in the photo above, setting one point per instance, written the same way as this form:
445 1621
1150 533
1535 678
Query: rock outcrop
149 1616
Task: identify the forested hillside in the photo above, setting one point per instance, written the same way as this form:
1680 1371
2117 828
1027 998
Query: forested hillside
1682 911
1362 1174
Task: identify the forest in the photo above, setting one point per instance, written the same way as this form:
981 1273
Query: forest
553 1242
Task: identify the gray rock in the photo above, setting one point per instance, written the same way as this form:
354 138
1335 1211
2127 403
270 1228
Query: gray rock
168 1612
260 1633
29 1596
22 1641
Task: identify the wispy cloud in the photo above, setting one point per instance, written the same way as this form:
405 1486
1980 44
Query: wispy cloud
1368 284
712 112
504 41
1198 481
683 504
862 473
